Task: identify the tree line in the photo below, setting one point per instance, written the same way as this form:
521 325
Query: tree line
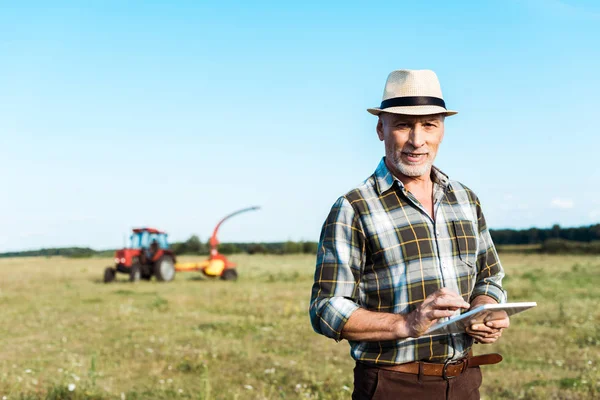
539 236
583 239
192 246
71 252
554 240
195 246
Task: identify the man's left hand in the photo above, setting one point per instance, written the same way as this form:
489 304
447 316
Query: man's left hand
487 332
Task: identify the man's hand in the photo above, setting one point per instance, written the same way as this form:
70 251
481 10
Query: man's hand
442 303
489 331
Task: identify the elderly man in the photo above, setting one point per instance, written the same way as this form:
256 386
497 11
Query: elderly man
405 248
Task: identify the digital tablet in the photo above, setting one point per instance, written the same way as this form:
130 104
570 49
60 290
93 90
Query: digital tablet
483 313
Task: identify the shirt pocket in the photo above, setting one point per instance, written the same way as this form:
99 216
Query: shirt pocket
466 241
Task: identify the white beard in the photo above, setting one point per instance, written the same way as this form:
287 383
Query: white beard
412 170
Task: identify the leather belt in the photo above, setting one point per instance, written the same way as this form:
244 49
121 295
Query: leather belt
448 370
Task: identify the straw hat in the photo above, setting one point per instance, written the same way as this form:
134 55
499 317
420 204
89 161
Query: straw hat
412 92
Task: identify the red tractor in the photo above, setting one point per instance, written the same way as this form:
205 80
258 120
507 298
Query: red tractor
148 255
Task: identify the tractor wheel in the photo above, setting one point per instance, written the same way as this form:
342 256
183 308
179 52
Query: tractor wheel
135 273
109 274
164 269
229 274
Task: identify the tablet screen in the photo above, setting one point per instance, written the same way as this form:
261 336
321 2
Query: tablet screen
484 313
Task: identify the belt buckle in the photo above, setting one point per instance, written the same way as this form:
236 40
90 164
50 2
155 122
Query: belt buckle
446 365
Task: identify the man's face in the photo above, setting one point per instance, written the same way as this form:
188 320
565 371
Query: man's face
411 142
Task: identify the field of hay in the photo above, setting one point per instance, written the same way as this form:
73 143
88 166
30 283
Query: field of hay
66 335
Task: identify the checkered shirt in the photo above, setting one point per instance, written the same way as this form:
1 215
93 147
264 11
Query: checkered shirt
381 251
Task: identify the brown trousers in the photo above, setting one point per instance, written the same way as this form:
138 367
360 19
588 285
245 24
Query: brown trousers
372 383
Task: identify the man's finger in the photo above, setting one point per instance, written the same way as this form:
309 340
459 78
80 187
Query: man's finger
449 302
488 341
483 335
483 328
476 337
445 292
499 323
485 339
437 314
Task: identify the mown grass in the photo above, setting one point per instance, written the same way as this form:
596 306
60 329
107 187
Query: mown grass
66 335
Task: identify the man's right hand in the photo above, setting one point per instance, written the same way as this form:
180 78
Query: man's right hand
440 304
371 326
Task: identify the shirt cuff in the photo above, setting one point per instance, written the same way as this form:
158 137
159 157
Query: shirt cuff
334 315
491 290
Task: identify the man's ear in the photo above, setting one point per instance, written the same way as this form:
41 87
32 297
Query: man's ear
380 129
443 128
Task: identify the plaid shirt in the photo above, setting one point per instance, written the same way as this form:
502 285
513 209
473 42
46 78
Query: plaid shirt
381 251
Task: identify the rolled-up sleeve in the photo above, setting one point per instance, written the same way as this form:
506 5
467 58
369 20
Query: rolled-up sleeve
340 258
489 269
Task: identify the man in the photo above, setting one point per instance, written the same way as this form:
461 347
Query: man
405 248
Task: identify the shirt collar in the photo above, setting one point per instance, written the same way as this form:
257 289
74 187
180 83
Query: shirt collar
384 179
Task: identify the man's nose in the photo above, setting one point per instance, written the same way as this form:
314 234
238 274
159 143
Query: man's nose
417 136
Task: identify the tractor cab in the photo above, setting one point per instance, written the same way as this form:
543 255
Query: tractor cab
143 238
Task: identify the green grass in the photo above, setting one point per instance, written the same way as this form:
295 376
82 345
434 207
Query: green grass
197 338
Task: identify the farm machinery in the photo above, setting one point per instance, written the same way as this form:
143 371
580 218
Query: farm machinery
149 255
217 264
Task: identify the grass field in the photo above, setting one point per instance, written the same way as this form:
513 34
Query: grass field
66 335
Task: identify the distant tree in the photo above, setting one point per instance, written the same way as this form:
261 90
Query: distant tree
310 247
178 248
193 245
533 236
228 248
595 232
256 248
292 247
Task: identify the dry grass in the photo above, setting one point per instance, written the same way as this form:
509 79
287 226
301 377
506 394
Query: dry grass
251 339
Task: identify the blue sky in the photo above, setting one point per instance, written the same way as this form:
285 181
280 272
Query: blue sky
172 114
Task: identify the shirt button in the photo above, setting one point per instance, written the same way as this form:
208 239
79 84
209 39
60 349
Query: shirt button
437 233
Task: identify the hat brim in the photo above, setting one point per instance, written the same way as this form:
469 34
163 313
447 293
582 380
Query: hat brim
413 110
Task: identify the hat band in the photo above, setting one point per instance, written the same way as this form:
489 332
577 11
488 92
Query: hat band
410 101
